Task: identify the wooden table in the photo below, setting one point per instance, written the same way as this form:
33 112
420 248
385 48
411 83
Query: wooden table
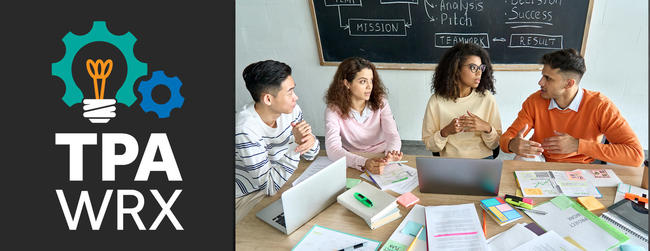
253 234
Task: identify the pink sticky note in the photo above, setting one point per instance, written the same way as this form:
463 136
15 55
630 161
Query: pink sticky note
504 207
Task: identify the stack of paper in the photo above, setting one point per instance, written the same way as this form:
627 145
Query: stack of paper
397 177
601 177
384 206
454 227
555 183
572 221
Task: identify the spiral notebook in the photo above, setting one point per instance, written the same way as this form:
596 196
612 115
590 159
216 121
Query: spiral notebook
637 237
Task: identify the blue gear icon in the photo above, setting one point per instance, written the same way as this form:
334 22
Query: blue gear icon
175 101
99 33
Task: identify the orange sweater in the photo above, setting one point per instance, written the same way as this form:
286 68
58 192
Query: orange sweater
596 115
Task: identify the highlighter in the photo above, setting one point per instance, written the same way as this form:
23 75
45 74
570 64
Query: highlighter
363 199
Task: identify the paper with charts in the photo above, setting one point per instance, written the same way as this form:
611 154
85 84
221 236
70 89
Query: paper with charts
322 238
397 177
555 183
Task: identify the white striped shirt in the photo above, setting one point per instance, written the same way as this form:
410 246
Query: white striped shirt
265 156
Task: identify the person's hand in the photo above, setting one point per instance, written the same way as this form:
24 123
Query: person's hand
302 136
562 143
523 147
452 128
472 123
376 165
393 156
308 143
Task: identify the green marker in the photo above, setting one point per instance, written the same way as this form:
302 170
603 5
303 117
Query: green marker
363 199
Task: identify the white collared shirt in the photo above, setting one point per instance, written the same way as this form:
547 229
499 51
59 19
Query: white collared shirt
361 117
575 104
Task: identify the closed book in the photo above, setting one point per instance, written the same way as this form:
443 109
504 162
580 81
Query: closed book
382 202
500 211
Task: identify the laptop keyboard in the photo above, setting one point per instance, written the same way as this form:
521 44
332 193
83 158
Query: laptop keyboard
280 219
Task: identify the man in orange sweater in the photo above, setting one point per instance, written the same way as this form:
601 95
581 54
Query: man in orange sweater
570 121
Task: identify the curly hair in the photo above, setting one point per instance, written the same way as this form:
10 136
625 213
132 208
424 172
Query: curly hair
447 73
338 96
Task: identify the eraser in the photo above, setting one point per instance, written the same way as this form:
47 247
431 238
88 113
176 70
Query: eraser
407 200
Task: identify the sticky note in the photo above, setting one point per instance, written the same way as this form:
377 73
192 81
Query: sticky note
512 214
412 229
600 173
533 191
504 207
562 202
590 203
628 247
392 245
350 183
407 199
498 214
490 202
575 175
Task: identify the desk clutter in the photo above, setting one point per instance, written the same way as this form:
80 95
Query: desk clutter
562 223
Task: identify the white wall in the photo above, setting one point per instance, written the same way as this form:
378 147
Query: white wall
616 58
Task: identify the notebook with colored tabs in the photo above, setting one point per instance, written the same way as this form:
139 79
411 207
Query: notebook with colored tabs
500 211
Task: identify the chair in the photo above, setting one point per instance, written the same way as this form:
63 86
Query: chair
495 153
644 181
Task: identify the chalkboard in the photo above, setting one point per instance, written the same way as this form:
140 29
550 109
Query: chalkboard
413 34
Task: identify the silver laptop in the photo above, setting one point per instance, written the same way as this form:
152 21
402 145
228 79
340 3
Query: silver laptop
306 199
459 176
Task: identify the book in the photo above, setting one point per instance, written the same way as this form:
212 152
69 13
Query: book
406 231
555 183
322 238
391 216
570 220
500 211
383 203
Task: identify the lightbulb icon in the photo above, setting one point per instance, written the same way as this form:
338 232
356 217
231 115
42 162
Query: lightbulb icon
99 110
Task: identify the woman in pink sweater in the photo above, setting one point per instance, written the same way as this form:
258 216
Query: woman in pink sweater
358 118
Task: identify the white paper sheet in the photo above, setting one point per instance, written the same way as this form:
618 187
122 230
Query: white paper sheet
549 241
511 238
569 222
389 180
318 164
454 227
322 238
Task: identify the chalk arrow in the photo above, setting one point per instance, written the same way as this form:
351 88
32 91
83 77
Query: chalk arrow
498 39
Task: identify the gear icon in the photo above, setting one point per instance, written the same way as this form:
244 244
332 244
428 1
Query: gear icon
175 100
99 33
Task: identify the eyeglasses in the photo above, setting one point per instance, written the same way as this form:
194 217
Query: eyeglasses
473 68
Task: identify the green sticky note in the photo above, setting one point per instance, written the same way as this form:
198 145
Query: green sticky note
393 246
350 183
562 202
412 229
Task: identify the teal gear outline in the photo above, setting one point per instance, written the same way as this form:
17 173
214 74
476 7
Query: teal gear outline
176 100
99 33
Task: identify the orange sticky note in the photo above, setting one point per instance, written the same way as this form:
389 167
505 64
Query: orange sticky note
590 203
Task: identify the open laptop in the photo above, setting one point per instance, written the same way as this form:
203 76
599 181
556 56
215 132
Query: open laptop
459 176
306 199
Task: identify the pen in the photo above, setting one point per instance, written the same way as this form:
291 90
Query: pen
531 210
484 230
400 180
398 162
369 176
353 247
415 239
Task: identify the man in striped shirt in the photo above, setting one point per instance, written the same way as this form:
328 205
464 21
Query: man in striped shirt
270 135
